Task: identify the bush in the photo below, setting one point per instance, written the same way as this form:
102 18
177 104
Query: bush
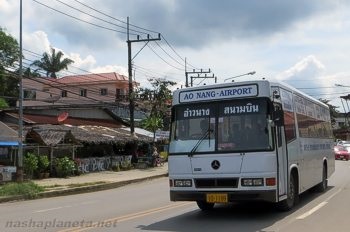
64 167
43 163
30 164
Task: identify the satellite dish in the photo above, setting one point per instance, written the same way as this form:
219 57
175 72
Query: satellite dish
62 116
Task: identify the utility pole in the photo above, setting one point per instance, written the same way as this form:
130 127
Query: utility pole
20 105
202 77
194 72
131 89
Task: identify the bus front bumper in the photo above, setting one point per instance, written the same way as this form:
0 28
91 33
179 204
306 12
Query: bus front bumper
233 196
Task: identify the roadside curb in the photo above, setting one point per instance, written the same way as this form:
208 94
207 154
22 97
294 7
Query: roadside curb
78 190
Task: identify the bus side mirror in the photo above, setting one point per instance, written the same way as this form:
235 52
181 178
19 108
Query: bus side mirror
278 117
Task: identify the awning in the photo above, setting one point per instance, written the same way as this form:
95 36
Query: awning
8 143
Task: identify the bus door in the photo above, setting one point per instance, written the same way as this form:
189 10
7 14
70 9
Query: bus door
282 161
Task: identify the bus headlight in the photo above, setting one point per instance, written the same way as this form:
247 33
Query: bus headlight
183 183
252 182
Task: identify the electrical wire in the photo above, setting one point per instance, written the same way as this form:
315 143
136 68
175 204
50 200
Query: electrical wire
124 32
71 16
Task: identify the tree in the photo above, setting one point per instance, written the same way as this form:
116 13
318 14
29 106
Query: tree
9 56
157 100
3 104
152 123
9 50
333 110
52 63
27 73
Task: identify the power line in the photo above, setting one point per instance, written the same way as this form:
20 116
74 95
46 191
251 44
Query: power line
103 27
71 16
164 59
176 52
91 8
97 17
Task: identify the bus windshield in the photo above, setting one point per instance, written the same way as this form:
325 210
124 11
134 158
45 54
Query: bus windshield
230 126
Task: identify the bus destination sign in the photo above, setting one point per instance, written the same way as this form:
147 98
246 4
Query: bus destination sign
218 93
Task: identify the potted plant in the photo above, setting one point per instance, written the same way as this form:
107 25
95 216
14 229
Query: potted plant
30 164
43 165
64 167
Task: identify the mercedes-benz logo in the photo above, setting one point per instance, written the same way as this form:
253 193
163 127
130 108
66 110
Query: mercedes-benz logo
215 164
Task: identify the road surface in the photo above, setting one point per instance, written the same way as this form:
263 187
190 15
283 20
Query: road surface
146 207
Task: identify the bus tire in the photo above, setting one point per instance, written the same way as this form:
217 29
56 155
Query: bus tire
321 187
292 196
205 205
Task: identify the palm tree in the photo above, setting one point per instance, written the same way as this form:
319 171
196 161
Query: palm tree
152 123
53 63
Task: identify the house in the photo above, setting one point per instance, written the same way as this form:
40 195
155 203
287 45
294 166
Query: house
76 90
341 127
85 99
8 152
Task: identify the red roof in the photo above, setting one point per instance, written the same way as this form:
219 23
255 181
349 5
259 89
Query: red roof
40 119
88 78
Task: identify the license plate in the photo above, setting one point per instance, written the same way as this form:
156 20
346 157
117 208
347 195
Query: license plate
217 198
341 156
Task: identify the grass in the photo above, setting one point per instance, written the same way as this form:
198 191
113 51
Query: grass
29 189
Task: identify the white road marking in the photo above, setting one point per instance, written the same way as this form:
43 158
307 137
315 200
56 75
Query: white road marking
51 209
66 206
319 206
313 210
128 216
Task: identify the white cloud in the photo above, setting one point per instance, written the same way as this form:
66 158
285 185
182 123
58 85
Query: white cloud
38 42
5 6
86 63
110 68
308 68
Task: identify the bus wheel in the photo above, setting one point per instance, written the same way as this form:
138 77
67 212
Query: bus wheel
321 187
205 205
288 203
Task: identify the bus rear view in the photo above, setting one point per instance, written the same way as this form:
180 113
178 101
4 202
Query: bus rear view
228 143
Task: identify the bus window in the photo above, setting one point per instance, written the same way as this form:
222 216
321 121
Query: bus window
243 130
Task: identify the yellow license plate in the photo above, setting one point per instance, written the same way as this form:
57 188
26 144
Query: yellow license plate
217 198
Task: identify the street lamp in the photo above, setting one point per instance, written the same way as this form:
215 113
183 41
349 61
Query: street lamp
250 73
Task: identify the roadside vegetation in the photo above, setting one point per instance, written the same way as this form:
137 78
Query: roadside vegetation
28 189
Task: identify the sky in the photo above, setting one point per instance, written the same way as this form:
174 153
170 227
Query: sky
303 43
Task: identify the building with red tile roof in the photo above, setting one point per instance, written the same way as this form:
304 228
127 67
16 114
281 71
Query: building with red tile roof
76 89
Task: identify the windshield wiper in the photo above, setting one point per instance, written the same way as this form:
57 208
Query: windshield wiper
194 149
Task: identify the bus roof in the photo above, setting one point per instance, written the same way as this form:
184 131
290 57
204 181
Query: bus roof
242 89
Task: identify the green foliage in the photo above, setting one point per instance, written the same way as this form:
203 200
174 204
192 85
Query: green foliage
158 101
43 163
28 189
9 55
152 123
30 164
64 167
333 110
3 104
9 50
53 63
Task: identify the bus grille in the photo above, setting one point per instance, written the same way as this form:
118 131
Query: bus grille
216 183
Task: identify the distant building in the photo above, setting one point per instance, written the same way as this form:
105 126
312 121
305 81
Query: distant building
76 90
341 128
89 99
341 120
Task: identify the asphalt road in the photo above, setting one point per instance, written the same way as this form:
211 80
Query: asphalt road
146 207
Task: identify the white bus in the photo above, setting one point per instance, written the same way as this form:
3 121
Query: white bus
254 140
